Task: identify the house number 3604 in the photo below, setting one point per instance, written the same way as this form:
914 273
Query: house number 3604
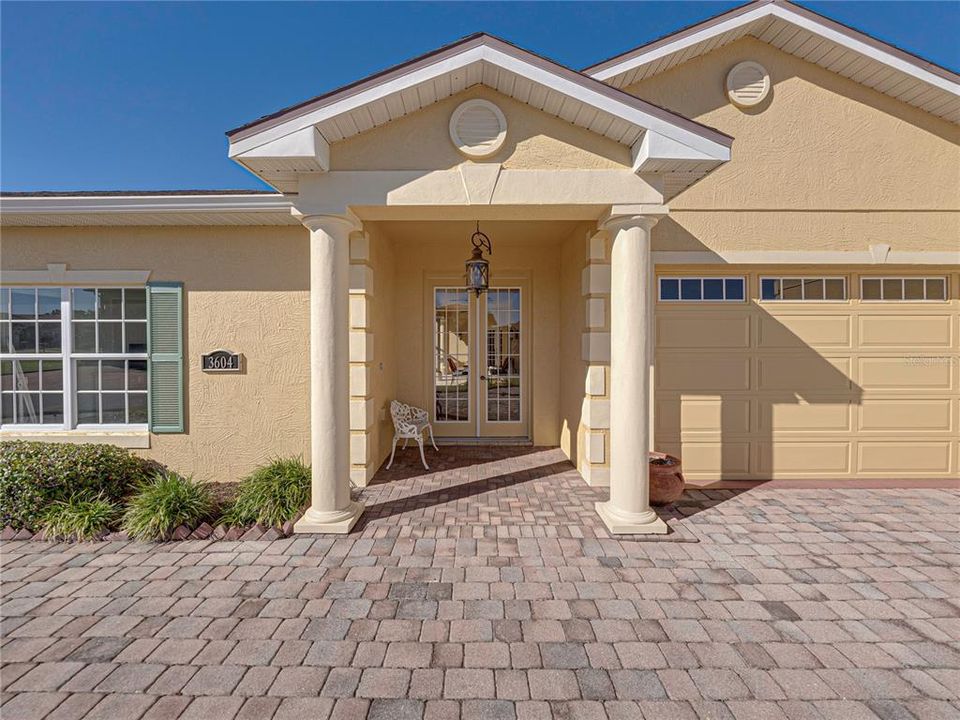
221 361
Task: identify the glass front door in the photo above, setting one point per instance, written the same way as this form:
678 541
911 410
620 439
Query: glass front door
479 363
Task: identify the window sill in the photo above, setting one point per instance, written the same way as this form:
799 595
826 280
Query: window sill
133 439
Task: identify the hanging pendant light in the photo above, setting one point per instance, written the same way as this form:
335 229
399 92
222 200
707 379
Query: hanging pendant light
478 268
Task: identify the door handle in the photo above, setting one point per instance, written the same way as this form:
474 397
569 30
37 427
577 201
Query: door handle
483 377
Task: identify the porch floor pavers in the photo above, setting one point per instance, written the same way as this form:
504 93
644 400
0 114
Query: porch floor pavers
488 588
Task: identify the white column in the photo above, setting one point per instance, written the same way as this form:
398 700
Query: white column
628 510
331 509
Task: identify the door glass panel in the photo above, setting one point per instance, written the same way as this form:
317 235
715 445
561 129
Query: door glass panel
503 355
451 356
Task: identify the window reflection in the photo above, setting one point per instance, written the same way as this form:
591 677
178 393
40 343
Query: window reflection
451 354
503 355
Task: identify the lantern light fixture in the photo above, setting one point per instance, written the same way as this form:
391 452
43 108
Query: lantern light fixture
478 268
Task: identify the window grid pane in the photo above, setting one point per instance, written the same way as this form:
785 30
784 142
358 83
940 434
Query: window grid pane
451 354
896 289
803 289
702 289
503 355
31 391
106 395
34 363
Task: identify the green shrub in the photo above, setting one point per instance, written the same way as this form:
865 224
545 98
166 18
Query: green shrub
35 474
162 503
83 517
271 494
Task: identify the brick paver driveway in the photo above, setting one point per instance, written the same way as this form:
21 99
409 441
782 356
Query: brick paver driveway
488 589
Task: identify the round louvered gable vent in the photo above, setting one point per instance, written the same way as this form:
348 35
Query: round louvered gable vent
748 83
478 128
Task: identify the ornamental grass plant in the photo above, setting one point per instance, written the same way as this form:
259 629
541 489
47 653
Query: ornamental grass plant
271 495
80 517
164 502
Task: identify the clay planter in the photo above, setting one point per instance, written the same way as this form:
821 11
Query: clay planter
666 479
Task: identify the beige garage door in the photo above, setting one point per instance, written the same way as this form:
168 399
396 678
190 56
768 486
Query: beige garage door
802 386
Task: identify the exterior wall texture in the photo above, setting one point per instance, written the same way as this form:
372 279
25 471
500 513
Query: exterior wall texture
428 252
534 141
245 289
822 164
746 390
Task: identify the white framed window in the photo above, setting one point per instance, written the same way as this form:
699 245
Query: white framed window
803 289
73 357
886 289
702 289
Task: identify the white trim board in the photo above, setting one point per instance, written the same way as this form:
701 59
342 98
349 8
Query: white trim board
79 205
756 20
485 54
803 257
57 274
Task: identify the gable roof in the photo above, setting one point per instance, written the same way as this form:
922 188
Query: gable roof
295 140
807 35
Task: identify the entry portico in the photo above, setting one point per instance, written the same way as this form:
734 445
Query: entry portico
608 183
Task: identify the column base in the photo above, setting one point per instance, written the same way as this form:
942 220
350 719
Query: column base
626 523
338 522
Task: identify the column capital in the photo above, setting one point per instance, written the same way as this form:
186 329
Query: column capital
329 222
626 216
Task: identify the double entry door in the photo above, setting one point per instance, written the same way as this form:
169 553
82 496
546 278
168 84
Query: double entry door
479 357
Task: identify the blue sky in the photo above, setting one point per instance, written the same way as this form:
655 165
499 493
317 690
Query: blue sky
131 95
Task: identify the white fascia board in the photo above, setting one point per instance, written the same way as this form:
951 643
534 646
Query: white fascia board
865 49
805 257
654 147
352 102
57 274
712 150
144 204
680 44
484 53
792 17
304 144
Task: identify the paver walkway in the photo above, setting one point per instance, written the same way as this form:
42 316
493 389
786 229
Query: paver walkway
488 589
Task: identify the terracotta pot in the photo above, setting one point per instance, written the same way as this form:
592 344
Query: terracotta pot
666 479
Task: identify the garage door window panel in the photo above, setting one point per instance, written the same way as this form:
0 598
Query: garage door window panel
702 289
803 289
895 289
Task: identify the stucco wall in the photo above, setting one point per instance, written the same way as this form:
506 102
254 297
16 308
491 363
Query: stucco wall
425 250
534 140
573 368
384 367
247 290
822 163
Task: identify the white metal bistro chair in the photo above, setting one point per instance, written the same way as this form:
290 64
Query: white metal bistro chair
408 424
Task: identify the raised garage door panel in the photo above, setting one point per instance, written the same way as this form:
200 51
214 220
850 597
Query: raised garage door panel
717 330
815 458
887 458
905 331
702 415
810 390
905 373
804 331
805 416
806 371
731 457
710 374
907 415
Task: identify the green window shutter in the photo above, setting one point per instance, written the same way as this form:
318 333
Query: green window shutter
165 347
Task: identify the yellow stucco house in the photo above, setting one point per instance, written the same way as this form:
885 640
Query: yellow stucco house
739 244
